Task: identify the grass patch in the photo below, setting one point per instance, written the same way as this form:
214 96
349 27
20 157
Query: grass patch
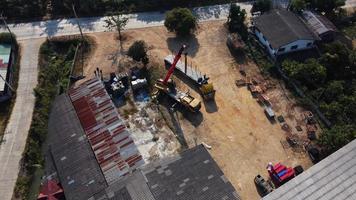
55 62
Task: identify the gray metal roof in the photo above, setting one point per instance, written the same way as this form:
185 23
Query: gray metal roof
131 187
193 175
77 168
319 24
281 27
333 178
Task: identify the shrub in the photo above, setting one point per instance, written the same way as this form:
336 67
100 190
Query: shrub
138 51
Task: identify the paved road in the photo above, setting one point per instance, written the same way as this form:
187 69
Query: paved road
16 131
96 24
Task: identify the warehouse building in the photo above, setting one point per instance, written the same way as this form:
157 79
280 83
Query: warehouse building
92 156
333 178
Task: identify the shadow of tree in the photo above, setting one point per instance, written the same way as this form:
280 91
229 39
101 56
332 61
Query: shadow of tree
175 43
52 27
149 17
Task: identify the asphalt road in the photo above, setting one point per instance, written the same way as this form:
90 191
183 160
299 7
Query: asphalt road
96 24
16 132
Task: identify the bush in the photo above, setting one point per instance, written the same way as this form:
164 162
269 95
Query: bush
138 51
337 137
181 21
262 6
311 73
6 38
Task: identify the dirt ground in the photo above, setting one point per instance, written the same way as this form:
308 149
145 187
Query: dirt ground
243 140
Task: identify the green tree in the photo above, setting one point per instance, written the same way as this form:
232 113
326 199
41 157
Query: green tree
334 90
311 72
116 22
181 21
339 61
337 137
262 6
298 5
328 6
236 21
138 51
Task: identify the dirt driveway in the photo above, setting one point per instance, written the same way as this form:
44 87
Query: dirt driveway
243 140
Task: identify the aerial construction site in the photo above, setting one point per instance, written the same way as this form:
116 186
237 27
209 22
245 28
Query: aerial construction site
177 100
197 92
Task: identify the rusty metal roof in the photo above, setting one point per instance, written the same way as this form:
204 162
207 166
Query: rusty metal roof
111 142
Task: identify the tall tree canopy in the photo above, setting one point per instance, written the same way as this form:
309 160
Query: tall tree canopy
181 21
236 21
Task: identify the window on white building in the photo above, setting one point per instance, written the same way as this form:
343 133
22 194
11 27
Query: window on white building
294 47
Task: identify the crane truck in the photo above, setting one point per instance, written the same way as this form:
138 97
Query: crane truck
206 89
167 86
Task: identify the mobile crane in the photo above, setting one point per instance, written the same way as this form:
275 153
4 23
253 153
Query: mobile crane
167 86
206 89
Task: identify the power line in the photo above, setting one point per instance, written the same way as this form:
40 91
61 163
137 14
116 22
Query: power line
76 17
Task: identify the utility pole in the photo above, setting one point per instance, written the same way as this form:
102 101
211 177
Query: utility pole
76 17
7 27
82 42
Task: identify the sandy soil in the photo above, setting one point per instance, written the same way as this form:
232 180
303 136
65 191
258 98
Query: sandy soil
243 140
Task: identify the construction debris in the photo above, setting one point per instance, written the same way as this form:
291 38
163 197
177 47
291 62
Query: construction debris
206 145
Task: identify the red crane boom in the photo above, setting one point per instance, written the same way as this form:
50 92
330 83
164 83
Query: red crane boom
175 61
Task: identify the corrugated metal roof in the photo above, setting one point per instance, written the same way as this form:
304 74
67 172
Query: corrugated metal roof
194 175
333 178
132 187
112 144
5 51
75 162
318 23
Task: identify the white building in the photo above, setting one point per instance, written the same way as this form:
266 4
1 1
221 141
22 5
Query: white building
282 31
